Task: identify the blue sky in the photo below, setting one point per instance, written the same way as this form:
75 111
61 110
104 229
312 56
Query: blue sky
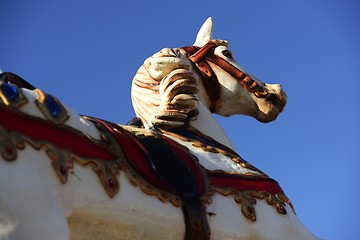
86 53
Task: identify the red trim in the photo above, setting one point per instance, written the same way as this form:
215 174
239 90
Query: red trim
136 156
245 183
60 135
189 161
67 138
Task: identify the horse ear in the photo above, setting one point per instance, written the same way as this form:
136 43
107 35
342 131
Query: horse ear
205 33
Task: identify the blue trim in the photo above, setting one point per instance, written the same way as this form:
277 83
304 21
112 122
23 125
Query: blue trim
53 107
10 91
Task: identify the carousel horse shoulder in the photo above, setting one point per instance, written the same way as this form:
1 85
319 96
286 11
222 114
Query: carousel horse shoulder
20 97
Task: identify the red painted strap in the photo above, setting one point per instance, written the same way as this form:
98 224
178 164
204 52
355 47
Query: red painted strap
244 182
62 136
190 161
72 140
137 157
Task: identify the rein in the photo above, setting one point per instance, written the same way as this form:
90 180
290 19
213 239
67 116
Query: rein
198 56
201 56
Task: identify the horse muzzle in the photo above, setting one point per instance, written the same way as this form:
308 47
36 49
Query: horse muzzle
272 104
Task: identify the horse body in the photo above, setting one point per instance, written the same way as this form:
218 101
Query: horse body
49 191
36 205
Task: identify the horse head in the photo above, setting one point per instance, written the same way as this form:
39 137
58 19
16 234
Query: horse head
167 88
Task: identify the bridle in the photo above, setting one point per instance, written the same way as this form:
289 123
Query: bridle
201 56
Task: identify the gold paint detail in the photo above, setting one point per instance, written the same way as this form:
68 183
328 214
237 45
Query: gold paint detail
41 104
165 196
207 148
9 144
140 132
247 200
17 102
135 178
63 160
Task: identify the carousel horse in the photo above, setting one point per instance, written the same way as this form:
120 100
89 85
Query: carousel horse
171 173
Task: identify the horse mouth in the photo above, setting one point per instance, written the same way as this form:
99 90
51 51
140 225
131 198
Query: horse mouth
270 98
271 106
278 101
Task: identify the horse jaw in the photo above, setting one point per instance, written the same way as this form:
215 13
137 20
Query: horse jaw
205 33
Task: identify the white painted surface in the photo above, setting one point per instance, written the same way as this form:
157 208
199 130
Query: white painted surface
35 205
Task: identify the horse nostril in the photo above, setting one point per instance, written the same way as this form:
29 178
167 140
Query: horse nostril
277 100
272 97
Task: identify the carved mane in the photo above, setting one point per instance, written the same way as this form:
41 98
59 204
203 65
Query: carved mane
164 90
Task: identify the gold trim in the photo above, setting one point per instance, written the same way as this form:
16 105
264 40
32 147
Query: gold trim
63 160
19 101
230 154
134 178
108 171
247 200
41 104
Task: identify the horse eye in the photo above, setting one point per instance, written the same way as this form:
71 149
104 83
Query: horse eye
227 54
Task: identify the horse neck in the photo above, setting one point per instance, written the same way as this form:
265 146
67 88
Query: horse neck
207 124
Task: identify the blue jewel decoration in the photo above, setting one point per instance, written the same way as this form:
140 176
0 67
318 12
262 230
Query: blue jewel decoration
53 107
10 91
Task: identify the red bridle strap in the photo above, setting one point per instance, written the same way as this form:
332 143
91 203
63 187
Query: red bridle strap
201 56
198 56
207 50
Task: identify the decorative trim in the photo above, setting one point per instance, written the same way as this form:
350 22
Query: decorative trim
216 147
138 180
51 107
247 200
246 189
11 95
112 157
62 159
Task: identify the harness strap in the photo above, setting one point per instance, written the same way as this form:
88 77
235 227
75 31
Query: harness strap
201 56
168 166
245 80
206 50
212 86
